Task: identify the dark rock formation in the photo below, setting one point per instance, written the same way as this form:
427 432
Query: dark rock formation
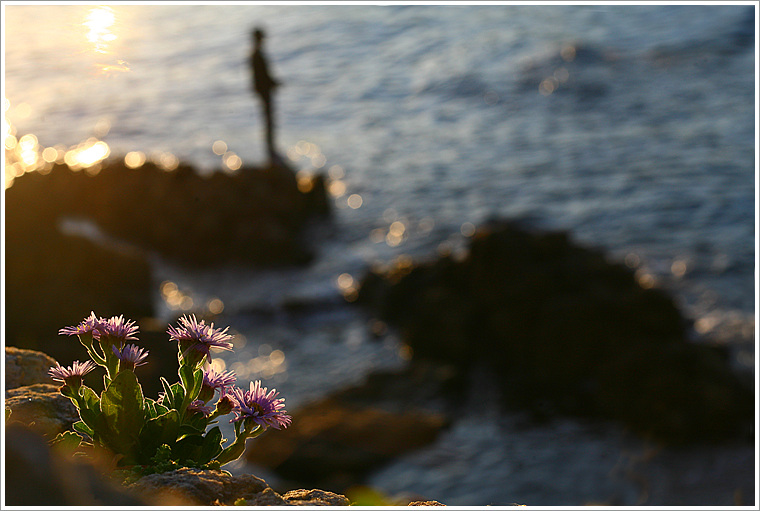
54 279
252 216
566 331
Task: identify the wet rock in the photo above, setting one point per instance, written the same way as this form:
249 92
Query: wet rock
35 475
426 503
334 443
566 330
26 367
42 408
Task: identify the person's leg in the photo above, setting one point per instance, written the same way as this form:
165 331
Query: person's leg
269 118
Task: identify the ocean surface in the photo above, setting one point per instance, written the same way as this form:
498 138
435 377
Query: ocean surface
631 126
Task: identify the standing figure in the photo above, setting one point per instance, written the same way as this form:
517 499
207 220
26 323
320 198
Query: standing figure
263 86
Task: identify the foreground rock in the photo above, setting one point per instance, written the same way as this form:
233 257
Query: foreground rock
42 408
192 487
566 331
38 475
26 367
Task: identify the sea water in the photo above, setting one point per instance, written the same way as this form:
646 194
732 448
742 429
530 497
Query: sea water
633 127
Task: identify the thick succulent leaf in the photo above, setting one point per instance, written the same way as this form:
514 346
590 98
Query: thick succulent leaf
122 407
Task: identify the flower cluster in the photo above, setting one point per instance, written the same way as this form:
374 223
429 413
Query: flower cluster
104 340
139 429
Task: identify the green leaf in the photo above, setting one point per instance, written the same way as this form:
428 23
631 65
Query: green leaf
173 394
192 381
168 394
212 445
153 409
150 409
121 405
83 428
89 410
68 441
160 409
179 394
189 448
199 449
189 429
159 431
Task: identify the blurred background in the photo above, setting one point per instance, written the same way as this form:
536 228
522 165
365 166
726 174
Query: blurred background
630 126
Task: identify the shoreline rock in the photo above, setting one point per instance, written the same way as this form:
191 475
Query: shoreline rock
566 331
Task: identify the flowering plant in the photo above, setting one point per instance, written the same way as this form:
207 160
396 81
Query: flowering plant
175 429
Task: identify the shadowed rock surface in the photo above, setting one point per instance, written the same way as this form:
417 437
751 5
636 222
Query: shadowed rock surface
36 475
567 331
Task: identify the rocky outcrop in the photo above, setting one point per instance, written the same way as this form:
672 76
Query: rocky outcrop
53 280
254 217
31 396
42 408
26 367
566 330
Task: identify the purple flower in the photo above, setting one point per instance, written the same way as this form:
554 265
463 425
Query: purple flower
213 380
117 330
200 407
130 356
90 325
260 406
196 339
216 380
71 376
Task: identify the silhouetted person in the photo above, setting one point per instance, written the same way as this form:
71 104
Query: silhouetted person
263 86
